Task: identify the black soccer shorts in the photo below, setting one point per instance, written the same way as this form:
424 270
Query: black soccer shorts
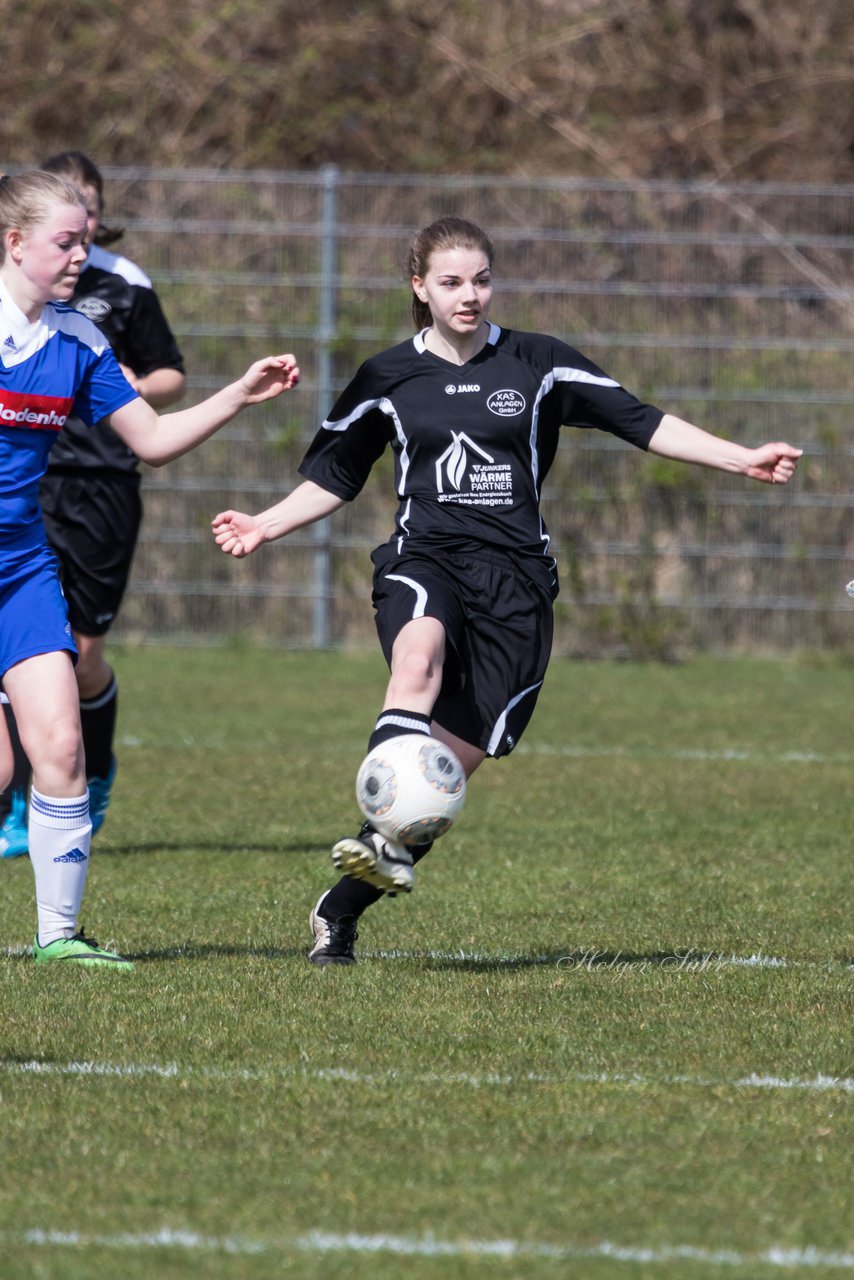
92 523
498 626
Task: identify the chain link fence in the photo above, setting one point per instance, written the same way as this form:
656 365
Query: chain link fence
730 306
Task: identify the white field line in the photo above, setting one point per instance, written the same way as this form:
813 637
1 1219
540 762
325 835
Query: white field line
428 1246
702 754
474 1080
569 751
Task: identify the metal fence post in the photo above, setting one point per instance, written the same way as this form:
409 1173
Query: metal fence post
327 297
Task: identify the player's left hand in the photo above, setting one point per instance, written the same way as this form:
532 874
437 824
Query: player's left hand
773 463
268 378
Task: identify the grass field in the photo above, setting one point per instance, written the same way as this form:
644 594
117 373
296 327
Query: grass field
609 1035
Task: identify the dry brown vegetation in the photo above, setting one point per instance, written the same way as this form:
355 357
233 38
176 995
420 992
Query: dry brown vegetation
721 89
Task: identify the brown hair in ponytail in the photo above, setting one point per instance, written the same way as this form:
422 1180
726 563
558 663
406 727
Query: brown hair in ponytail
444 233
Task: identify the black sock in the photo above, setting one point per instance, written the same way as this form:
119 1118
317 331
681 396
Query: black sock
395 722
349 898
21 770
98 718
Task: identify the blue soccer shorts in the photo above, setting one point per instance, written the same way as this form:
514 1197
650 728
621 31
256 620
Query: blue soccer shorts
33 616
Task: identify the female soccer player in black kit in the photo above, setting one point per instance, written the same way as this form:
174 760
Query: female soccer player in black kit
464 588
90 496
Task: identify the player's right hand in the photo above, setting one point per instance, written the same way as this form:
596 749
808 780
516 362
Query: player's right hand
269 377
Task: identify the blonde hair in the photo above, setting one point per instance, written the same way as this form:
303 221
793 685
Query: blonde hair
444 233
25 199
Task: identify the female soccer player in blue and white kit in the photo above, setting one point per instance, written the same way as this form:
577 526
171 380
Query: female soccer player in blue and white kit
464 588
53 361
90 496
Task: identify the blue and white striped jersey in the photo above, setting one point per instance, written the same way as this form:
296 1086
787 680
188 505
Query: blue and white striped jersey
58 365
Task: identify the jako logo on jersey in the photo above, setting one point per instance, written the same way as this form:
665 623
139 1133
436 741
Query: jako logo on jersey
73 855
94 308
452 388
19 409
507 404
454 461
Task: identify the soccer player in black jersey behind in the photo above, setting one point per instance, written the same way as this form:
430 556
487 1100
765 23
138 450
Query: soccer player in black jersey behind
464 588
90 496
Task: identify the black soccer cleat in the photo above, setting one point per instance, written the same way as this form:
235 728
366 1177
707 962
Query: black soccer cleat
333 939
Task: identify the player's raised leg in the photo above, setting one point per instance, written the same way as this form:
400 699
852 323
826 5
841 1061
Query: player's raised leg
417 656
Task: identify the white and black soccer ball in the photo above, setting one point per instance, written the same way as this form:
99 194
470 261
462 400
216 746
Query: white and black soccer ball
411 788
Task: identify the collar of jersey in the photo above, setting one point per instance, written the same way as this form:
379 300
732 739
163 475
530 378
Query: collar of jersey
26 336
422 348
13 317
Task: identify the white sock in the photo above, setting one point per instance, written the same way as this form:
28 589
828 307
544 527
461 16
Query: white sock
59 836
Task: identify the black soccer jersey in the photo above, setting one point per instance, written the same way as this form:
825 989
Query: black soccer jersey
473 443
118 297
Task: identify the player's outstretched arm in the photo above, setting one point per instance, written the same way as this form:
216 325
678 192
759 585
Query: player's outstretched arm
158 439
680 440
238 534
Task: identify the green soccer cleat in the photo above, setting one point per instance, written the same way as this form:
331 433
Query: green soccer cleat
14 842
79 950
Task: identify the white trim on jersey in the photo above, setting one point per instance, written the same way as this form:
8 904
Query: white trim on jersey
403 522
341 424
117 266
385 406
421 346
558 374
582 375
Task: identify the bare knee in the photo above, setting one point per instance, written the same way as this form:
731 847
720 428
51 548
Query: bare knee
57 759
415 672
416 665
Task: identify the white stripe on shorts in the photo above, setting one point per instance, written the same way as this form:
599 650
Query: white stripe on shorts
498 731
420 592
